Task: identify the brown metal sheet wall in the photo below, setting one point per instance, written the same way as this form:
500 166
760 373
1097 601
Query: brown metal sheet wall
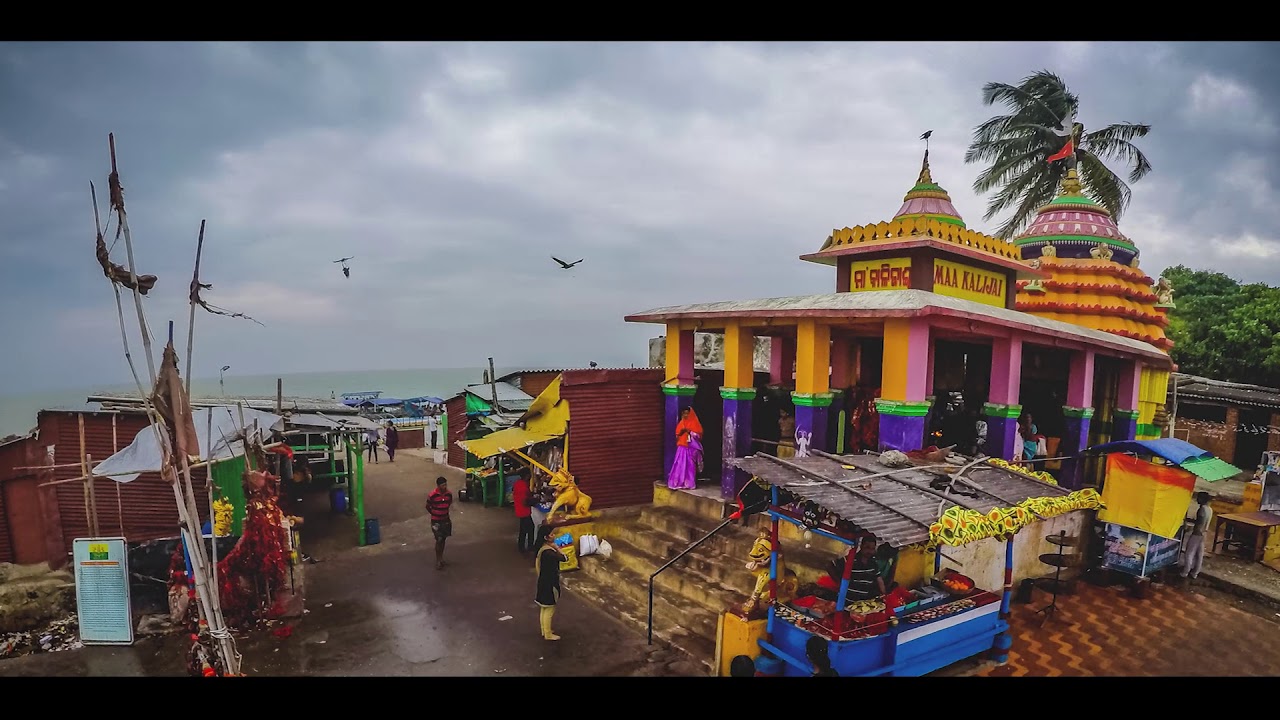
456 411
533 383
13 456
141 510
615 433
6 544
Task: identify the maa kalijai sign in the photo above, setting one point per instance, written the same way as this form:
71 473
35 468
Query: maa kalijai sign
968 283
891 274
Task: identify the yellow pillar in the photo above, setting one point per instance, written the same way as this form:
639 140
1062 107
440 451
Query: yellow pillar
679 354
813 357
739 357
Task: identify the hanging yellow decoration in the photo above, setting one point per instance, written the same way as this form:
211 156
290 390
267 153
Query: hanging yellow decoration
1022 470
222 512
959 525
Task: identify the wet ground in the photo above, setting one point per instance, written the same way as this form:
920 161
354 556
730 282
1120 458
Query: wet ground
386 610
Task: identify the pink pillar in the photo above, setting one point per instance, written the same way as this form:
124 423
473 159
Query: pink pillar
1130 384
1080 381
686 356
1006 371
782 361
928 377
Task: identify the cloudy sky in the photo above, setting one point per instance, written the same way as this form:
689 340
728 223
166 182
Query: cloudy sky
680 172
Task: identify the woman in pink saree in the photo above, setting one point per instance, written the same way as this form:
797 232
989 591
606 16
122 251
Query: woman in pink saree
684 471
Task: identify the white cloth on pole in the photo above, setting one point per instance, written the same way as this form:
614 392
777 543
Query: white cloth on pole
143 454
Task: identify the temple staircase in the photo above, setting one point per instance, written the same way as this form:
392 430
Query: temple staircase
691 595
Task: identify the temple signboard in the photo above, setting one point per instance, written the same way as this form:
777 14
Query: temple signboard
969 283
889 274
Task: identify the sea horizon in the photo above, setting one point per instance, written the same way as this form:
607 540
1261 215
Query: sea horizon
18 412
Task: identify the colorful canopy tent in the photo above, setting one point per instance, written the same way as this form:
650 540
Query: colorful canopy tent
1198 462
546 419
1146 496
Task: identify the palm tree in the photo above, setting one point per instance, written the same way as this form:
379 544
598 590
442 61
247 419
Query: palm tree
1017 145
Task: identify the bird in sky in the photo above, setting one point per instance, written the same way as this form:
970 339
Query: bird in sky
563 264
345 270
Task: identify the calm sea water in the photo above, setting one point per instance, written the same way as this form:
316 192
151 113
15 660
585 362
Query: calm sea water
18 413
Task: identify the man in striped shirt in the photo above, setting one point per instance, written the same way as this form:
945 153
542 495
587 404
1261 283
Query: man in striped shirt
438 503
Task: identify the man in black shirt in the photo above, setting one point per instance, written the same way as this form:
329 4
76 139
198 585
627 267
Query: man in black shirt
865 581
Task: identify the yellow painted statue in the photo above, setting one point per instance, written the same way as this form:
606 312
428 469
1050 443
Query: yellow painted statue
573 501
788 584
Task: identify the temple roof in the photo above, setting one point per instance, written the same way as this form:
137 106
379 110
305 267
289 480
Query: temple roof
928 200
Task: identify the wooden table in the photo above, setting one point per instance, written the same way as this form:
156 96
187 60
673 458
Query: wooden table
1258 522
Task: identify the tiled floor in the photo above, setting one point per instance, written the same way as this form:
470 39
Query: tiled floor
1105 631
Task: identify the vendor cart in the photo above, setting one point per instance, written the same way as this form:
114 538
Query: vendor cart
846 498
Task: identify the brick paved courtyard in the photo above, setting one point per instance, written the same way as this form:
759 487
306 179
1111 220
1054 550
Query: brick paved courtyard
1174 631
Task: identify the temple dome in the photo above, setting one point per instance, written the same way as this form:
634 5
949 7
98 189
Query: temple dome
928 200
1074 224
1095 279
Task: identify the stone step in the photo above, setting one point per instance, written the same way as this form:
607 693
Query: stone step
733 541
699 650
720 568
668 610
708 506
682 579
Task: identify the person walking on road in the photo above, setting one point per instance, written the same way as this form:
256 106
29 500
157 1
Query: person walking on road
433 427
438 504
522 498
1195 542
371 439
548 569
393 441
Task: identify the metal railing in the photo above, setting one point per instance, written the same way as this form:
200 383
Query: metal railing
672 561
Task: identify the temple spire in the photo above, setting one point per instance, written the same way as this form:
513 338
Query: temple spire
926 178
1071 185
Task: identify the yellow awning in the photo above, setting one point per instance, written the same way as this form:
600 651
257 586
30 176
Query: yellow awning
547 419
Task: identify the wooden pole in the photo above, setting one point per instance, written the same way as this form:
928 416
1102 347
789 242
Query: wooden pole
191 321
115 448
279 396
493 385
117 189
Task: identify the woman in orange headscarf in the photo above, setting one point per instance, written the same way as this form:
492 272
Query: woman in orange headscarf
684 471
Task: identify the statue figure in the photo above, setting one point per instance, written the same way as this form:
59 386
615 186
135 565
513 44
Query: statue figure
1164 292
788 584
1134 262
1035 264
576 503
1048 251
803 438
1101 252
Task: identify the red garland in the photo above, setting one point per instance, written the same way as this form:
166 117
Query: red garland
259 560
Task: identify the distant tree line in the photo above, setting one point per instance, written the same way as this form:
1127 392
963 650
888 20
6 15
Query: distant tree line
1224 329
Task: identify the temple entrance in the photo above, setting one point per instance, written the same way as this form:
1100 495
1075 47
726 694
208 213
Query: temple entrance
710 408
961 383
1043 392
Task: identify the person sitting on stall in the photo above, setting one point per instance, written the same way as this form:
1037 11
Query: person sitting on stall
864 580
815 649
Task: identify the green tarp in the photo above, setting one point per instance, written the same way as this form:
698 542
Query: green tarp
228 483
1212 469
476 405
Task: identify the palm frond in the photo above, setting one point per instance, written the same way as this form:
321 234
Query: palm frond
1041 191
1018 186
1115 142
1006 167
1103 185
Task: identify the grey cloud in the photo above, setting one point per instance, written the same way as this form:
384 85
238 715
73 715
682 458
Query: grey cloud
681 172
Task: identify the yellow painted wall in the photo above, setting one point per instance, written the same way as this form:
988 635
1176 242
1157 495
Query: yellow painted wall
813 357
673 351
897 340
738 637
914 565
739 357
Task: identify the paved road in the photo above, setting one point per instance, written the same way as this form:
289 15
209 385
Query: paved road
385 609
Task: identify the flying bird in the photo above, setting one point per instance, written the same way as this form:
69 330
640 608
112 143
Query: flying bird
345 270
563 264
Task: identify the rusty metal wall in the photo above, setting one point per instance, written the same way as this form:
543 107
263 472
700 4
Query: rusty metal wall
615 433
141 510
6 543
456 411
12 456
533 383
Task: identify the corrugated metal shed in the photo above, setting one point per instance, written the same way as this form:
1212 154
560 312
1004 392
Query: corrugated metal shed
615 433
899 508
510 398
112 401
141 510
892 303
1192 388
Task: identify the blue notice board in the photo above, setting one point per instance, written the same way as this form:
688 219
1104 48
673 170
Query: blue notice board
102 591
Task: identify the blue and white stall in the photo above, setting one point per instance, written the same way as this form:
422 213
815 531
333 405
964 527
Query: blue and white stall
851 497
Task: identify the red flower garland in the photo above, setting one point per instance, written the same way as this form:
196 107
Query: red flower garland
259 560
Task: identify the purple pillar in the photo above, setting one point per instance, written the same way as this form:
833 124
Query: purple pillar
1124 425
737 438
1075 440
901 424
677 397
811 421
1002 429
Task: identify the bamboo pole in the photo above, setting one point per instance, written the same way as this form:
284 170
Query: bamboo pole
118 190
191 321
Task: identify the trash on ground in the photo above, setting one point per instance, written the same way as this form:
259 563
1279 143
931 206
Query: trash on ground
504 617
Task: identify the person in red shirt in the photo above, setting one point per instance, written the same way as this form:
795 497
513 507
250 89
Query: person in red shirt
520 497
438 503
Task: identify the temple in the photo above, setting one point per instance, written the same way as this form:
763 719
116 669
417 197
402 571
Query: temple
931 321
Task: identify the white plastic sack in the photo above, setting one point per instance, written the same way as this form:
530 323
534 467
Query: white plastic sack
605 550
588 545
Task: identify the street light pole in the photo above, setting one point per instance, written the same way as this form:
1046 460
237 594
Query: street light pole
221 386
